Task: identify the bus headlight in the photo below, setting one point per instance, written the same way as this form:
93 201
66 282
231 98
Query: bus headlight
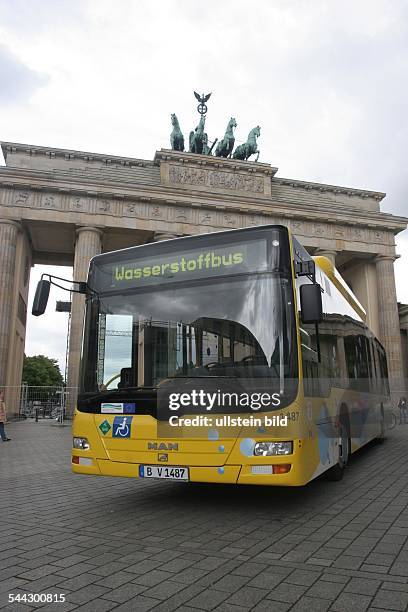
265 449
81 443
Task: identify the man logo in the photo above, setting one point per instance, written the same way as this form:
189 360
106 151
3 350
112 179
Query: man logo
163 457
162 446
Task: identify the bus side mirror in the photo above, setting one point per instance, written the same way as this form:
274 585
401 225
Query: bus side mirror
41 297
311 308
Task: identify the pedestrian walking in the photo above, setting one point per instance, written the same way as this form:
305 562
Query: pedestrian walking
402 405
3 418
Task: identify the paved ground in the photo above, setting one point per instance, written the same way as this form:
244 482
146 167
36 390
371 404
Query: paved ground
127 545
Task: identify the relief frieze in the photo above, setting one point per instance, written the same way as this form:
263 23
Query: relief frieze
77 204
211 213
50 201
22 198
320 229
206 218
252 220
378 235
230 220
296 226
156 212
134 209
202 177
104 207
357 233
182 215
339 232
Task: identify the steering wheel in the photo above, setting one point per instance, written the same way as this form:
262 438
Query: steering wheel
251 359
211 364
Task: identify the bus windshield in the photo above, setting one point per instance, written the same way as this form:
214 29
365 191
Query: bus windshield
241 326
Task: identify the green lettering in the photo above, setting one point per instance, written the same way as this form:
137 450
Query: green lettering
119 275
196 260
215 260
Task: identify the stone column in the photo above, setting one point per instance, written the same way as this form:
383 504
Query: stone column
389 322
330 254
159 236
8 246
88 243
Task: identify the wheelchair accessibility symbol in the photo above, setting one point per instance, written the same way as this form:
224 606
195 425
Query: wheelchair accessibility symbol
121 427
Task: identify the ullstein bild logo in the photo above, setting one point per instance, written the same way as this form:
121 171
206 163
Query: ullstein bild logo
203 261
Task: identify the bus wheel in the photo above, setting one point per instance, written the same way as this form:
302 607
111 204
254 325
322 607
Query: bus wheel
380 439
337 471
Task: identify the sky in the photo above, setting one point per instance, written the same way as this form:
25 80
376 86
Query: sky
326 81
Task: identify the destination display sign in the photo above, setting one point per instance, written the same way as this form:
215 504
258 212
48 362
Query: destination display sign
236 258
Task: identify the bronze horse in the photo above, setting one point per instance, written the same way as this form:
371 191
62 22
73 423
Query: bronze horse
225 146
249 147
176 137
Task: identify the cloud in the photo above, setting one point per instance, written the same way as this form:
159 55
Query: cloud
327 82
39 17
18 81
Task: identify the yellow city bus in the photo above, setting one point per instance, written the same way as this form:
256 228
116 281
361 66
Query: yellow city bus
231 357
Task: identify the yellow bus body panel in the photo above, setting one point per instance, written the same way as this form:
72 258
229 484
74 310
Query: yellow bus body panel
314 451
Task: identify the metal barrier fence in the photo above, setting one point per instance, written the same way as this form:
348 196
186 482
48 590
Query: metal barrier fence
25 402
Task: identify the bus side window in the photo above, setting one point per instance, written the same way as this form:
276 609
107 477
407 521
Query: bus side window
311 367
384 370
376 374
357 361
370 363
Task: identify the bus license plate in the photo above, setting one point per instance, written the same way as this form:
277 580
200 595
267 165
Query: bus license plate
167 472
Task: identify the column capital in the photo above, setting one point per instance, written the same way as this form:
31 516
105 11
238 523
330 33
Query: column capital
159 236
325 252
380 257
89 228
330 254
15 222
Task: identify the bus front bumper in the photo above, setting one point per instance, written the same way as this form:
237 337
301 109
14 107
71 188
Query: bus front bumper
227 474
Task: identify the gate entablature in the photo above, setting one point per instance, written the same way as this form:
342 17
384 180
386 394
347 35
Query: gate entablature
63 206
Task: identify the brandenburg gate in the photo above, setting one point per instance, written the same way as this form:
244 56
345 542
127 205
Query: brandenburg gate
61 207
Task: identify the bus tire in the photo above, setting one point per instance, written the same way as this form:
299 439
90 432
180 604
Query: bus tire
336 473
381 438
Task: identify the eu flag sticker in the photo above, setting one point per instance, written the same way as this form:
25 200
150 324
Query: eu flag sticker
121 427
129 408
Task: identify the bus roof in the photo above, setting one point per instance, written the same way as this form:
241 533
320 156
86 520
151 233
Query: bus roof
329 269
180 240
